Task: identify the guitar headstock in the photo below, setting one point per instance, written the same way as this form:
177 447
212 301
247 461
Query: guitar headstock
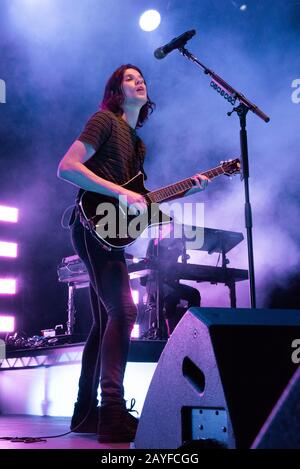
230 167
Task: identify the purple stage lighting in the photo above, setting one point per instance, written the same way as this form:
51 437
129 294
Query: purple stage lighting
8 286
7 323
135 333
8 249
135 296
9 214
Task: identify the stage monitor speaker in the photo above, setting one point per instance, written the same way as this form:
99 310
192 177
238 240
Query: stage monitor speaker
218 378
282 428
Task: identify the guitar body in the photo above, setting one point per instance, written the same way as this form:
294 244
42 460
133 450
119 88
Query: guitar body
112 224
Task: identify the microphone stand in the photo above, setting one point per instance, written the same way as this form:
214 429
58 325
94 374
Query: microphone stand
229 93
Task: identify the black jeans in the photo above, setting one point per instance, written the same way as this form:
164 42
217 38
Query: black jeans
114 314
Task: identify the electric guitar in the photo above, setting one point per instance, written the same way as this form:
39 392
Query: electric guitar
109 220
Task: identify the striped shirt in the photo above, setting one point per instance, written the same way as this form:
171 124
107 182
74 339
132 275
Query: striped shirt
119 152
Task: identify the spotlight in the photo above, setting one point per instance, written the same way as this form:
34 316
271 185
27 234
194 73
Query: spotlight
8 286
135 333
7 323
8 249
135 296
8 214
149 20
240 6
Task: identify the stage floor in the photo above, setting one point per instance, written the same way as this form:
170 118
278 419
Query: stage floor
33 426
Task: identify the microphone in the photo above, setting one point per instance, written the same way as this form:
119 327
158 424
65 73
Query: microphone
176 43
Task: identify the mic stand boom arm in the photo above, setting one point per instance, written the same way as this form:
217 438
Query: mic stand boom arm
241 110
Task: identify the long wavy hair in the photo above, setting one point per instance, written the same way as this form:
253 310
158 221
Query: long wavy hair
113 97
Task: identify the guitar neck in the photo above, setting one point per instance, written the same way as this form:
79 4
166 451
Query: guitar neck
180 188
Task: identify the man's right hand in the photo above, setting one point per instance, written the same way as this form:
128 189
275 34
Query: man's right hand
135 203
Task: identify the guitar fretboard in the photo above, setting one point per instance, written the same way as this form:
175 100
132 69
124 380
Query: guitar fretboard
181 187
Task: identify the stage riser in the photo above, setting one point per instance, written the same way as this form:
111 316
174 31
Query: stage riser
51 389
